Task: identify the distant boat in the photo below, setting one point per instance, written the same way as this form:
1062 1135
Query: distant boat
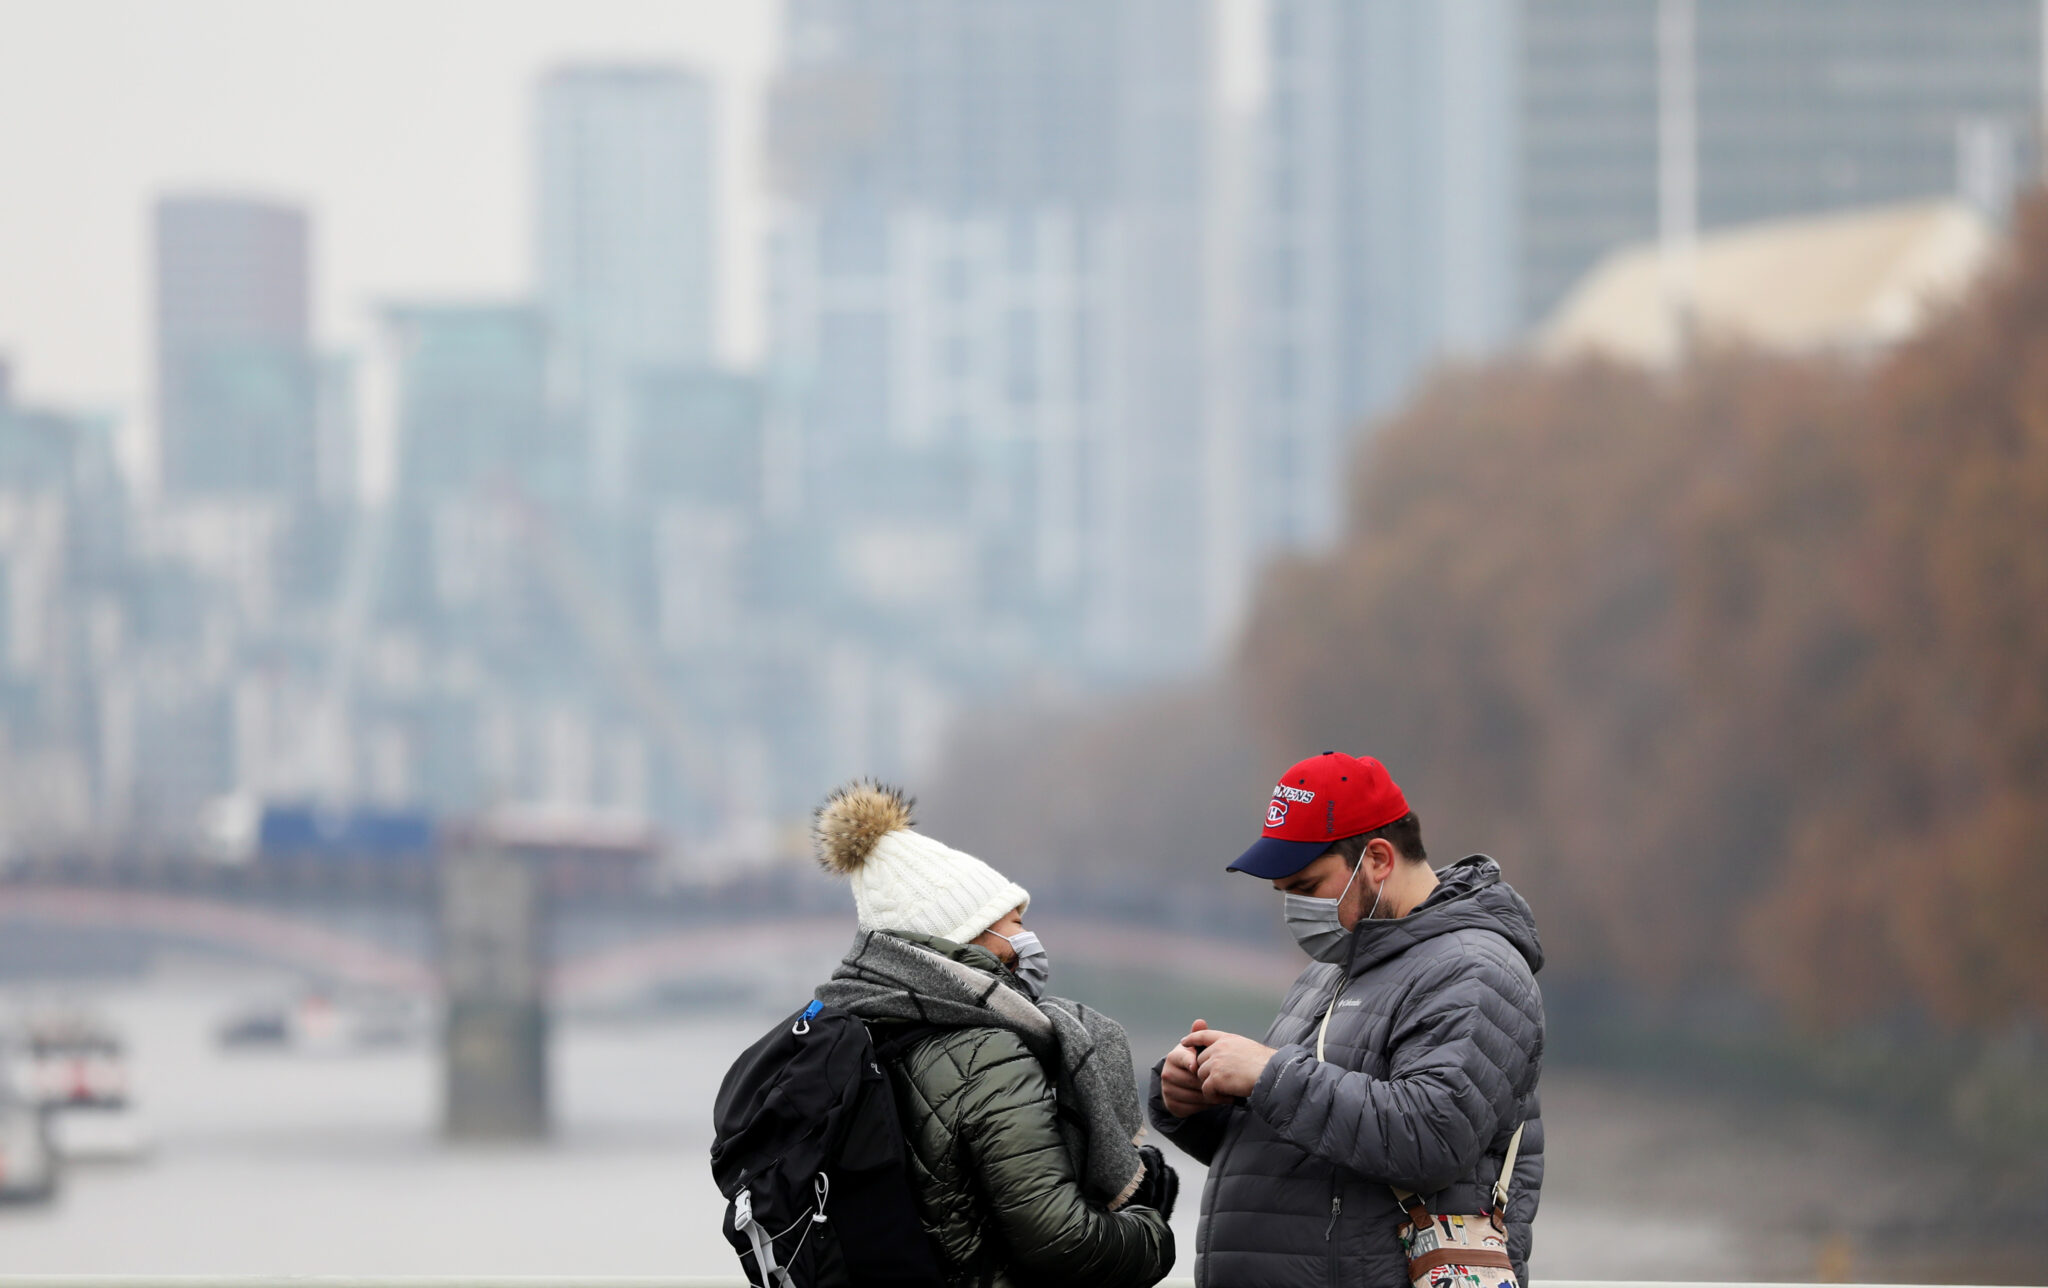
324 1023
78 1074
29 1169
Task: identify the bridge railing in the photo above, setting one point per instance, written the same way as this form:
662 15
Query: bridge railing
620 1281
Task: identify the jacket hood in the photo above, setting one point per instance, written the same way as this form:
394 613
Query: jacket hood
1470 895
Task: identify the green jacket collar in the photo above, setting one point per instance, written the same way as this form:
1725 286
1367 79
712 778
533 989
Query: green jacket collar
974 955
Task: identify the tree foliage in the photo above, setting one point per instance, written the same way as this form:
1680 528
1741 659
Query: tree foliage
1741 668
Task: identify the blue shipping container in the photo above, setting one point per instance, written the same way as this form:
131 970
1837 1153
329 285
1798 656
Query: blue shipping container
302 831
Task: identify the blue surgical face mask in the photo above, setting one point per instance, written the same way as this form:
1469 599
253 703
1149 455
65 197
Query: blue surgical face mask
1032 967
1314 922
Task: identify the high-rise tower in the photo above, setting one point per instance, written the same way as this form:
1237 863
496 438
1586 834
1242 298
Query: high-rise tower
623 252
1381 233
236 383
990 305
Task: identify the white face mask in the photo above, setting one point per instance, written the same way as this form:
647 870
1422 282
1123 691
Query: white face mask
1314 922
1032 967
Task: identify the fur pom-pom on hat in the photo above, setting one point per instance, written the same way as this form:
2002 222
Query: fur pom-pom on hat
854 818
902 880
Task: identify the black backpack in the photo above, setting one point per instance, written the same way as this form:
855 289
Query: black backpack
808 1151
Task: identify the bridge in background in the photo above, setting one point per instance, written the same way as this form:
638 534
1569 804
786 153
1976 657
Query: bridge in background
501 935
604 942
499 926
275 937
601 952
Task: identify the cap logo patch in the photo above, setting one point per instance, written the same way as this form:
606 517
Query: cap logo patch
1284 792
1276 813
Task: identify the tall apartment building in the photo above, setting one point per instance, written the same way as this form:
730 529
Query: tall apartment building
236 382
471 398
1380 230
473 452
1806 107
623 254
988 300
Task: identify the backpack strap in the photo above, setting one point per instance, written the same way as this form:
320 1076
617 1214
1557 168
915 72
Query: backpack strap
1418 1212
764 1247
900 1038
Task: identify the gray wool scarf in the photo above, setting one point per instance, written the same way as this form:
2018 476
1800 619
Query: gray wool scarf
889 977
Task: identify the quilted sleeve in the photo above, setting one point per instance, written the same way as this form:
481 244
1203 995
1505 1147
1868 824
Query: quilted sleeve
1013 1149
1198 1135
1462 1043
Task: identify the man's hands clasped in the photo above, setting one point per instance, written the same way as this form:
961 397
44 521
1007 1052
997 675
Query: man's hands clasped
1208 1068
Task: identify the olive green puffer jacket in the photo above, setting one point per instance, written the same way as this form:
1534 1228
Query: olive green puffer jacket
996 1189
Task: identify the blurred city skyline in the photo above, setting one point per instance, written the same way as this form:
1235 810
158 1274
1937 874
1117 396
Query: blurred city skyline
422 188
750 396
154 94
475 473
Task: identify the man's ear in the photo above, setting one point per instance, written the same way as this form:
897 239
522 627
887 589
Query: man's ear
1382 856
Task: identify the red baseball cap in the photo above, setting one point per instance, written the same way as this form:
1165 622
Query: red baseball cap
1318 802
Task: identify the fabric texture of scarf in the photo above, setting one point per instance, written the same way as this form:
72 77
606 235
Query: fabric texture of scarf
887 976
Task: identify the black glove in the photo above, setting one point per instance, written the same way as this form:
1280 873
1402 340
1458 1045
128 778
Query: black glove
1160 1185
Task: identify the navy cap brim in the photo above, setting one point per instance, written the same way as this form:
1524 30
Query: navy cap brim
1271 858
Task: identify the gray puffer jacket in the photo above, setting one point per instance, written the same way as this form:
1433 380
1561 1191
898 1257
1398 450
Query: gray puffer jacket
1432 1058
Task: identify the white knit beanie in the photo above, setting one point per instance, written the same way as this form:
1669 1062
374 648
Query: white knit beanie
904 881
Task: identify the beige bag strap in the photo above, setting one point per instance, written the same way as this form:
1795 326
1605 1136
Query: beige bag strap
1507 1167
1507 1173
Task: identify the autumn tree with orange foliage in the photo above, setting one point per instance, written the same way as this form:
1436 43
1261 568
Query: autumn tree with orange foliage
1740 668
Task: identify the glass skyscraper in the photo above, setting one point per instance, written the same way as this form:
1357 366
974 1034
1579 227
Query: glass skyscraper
624 247
236 381
1380 232
989 303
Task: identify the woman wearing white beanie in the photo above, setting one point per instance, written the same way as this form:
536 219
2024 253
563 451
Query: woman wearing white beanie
1020 1111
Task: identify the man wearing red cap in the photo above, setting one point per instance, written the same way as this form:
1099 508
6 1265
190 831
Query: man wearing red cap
1398 1084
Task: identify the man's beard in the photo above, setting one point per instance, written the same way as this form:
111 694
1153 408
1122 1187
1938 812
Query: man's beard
1377 909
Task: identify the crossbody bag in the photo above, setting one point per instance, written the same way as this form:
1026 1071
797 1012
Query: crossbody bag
1459 1250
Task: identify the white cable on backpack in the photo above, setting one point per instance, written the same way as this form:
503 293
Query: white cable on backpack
821 1186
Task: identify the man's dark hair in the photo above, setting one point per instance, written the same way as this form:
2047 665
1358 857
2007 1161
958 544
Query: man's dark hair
1404 834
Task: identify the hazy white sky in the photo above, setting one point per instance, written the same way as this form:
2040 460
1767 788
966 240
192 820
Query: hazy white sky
400 124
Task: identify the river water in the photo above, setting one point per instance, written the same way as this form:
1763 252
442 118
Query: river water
281 1163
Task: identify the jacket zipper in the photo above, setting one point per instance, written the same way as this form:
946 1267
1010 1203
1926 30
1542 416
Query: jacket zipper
1328 1018
1330 1230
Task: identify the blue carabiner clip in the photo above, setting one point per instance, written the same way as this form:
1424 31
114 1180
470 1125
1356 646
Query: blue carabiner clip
803 1022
